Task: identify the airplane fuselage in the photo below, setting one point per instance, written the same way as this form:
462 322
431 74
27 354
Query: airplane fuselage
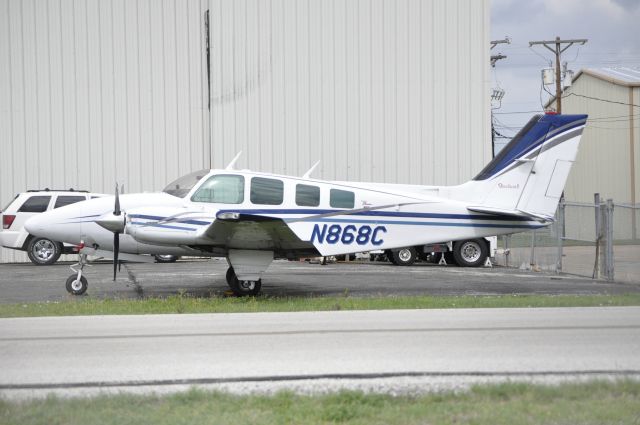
330 217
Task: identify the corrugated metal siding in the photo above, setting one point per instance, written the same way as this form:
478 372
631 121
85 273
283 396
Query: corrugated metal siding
603 162
378 90
382 90
97 91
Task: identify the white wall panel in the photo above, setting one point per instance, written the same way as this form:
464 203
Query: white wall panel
381 90
97 91
603 163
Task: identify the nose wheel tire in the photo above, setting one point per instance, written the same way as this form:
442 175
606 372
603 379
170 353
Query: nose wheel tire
75 286
242 288
43 252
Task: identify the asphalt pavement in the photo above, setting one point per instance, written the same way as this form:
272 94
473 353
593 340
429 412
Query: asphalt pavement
389 351
206 278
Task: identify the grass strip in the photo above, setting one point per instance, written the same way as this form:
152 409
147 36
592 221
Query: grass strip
596 402
182 303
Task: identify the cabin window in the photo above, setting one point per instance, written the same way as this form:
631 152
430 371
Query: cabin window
307 196
68 200
35 204
341 199
266 191
182 186
221 189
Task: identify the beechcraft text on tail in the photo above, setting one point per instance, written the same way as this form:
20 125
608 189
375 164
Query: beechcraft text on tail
250 217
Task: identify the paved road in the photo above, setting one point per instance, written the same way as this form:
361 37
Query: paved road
26 282
155 352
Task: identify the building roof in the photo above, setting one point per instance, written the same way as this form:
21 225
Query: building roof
629 77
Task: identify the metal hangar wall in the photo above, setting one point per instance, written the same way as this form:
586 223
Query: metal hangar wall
143 91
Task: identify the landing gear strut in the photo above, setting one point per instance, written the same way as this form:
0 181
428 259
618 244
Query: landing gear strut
76 283
242 288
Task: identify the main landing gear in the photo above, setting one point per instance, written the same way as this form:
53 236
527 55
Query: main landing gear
245 270
76 283
242 288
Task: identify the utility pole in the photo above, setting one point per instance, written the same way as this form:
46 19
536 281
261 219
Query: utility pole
498 93
494 43
557 50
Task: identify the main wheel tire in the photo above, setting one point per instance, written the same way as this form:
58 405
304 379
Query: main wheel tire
75 286
166 258
405 256
470 253
230 276
43 251
243 288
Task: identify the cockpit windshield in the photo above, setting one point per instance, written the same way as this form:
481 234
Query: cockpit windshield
184 184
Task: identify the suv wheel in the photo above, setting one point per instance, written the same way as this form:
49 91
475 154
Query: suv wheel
43 252
405 256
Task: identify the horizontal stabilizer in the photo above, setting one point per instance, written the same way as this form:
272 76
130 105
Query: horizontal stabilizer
512 213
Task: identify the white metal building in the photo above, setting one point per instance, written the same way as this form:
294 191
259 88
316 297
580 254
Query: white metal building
142 91
608 161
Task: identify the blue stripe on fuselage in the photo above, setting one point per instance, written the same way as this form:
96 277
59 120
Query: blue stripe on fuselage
429 223
379 214
162 226
177 219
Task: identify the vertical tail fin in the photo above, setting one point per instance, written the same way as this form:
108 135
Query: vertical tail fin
529 174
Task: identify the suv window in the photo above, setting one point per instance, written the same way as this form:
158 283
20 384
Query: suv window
35 204
68 200
266 191
221 189
307 196
341 199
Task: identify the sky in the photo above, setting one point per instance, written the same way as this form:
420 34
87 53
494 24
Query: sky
611 26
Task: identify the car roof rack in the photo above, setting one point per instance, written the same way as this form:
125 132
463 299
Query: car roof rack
46 189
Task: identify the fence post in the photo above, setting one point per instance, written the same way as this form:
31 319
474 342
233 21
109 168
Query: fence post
608 228
532 259
560 234
507 251
597 265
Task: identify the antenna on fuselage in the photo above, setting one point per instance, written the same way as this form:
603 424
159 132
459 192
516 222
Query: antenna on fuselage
308 173
233 161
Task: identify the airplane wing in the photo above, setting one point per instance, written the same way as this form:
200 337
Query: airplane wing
266 230
248 231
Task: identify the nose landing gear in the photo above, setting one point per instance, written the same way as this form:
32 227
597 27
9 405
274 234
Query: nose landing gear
76 283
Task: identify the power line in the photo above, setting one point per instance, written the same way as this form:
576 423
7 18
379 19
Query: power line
602 100
612 128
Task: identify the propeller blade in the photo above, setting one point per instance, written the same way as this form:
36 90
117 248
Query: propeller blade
116 248
116 210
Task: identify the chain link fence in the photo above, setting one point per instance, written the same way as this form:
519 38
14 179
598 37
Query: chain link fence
598 240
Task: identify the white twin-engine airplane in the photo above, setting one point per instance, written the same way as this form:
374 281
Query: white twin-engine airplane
250 218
